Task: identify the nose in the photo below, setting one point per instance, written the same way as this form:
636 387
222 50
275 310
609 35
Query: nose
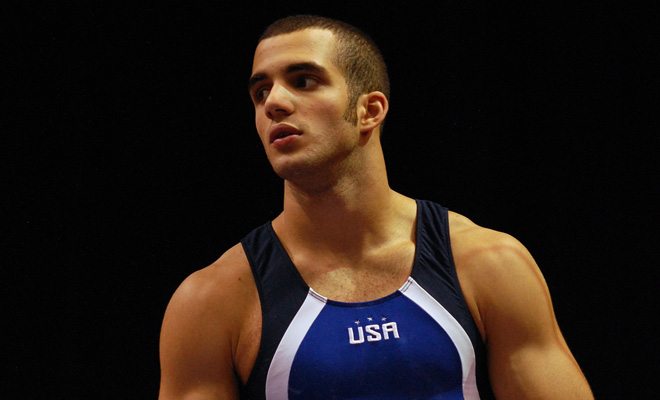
278 104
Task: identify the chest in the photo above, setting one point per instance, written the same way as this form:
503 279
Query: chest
365 278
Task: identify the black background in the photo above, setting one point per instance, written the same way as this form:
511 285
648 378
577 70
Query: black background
133 161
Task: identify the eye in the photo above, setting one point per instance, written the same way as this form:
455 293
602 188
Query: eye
305 82
261 93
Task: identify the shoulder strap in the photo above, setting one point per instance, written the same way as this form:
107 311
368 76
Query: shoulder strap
281 293
435 271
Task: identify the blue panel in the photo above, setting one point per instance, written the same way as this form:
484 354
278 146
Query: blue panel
386 349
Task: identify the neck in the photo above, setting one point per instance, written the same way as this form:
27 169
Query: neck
346 213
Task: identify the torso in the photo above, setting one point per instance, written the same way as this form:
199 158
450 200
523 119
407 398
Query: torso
339 284
342 286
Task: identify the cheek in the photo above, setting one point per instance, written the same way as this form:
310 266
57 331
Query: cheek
262 127
330 114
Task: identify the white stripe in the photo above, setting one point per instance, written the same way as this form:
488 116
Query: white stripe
461 340
277 380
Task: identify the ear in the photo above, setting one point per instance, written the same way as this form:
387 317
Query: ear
372 110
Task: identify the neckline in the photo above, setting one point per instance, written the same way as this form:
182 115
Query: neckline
289 263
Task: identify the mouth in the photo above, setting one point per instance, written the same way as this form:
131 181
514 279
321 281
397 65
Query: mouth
282 131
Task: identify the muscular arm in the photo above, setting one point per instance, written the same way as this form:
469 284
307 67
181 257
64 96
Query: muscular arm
528 357
203 332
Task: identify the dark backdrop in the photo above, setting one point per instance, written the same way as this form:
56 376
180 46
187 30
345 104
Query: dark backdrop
133 161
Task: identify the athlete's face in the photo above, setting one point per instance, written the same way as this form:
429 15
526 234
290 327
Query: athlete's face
300 98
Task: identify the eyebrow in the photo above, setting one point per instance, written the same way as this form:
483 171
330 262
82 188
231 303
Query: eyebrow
293 68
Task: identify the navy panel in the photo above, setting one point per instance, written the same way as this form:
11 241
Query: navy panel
435 271
281 293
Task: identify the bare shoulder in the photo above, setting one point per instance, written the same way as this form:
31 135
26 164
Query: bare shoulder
475 246
217 297
495 270
226 278
206 324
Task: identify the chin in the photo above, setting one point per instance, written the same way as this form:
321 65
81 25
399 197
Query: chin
295 169
305 168
289 171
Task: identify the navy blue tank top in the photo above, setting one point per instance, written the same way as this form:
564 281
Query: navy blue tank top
419 342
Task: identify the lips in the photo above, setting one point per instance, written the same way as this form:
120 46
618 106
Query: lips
281 131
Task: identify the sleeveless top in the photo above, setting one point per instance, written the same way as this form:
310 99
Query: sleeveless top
419 342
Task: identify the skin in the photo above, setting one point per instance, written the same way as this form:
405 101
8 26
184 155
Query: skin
334 176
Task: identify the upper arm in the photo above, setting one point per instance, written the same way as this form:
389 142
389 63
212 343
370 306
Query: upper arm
199 336
527 355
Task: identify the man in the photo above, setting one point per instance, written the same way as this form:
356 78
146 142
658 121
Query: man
354 290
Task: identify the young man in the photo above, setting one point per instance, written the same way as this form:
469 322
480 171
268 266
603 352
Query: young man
354 290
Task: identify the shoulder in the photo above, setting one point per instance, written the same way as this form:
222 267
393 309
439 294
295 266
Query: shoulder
212 293
497 273
479 247
215 297
208 322
228 276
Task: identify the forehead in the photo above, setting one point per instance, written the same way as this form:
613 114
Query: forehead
308 45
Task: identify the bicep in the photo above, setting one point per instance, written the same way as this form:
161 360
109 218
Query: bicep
537 372
195 348
528 357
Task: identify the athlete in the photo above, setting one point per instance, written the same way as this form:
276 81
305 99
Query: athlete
355 291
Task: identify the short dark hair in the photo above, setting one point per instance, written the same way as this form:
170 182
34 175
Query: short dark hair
356 54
